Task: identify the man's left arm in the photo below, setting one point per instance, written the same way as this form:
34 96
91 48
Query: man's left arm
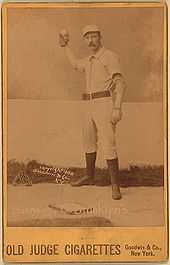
116 85
117 90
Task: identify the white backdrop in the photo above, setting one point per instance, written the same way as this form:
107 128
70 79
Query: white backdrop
50 132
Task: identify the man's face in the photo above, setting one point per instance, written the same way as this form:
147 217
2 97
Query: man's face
93 40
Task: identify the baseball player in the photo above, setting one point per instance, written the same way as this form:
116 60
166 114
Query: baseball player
103 103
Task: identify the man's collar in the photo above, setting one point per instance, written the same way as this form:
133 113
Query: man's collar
98 54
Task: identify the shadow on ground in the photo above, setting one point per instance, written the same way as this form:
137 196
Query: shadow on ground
60 222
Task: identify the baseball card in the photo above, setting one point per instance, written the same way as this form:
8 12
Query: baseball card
85 168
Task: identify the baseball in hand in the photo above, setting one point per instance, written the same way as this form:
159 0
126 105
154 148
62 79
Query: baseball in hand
63 37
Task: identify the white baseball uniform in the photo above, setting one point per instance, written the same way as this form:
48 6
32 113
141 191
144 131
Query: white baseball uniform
97 115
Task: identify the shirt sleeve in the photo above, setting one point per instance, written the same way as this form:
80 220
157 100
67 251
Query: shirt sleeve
112 64
79 65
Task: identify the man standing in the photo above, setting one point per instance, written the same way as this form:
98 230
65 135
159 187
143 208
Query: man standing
103 98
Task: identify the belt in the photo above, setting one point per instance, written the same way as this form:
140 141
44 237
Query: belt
99 94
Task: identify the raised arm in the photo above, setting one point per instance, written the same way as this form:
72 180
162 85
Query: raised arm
78 64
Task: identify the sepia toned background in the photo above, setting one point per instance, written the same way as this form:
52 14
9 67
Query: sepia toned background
141 131
46 126
44 107
39 69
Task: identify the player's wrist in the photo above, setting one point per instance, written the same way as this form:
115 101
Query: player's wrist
117 108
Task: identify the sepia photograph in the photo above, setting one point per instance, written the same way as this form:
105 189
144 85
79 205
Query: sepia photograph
85 120
84 132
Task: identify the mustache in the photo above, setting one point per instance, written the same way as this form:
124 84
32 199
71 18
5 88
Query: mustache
91 44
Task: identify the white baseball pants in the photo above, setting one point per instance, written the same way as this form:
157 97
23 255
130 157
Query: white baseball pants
98 127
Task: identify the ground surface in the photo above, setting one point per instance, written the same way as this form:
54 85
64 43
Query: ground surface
29 206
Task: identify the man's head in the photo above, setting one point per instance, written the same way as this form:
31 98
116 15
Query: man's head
92 37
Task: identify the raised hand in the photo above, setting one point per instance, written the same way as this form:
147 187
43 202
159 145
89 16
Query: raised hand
63 38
